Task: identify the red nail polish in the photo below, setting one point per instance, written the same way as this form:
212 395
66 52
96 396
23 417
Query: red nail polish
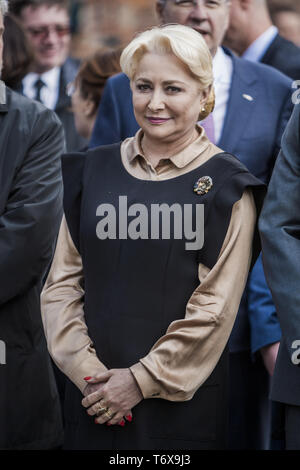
87 378
96 421
129 418
108 424
122 423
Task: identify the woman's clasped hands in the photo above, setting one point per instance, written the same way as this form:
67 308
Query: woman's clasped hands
110 396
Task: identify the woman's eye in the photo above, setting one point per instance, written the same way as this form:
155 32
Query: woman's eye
173 89
143 87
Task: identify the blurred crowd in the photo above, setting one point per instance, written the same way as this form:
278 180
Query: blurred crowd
94 28
95 23
62 55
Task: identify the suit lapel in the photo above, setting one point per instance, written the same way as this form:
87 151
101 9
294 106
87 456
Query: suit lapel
67 74
64 101
241 104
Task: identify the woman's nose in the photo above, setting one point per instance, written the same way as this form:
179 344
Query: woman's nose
156 102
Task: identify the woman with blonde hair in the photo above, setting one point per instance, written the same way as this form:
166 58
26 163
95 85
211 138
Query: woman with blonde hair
151 262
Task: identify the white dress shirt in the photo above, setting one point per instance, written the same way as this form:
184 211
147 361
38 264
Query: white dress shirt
222 70
50 92
259 47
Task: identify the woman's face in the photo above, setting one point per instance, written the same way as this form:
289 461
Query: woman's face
167 99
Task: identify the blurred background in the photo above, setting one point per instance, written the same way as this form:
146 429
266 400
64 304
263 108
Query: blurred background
97 23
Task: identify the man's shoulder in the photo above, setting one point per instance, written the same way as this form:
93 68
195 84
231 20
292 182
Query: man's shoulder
263 73
119 81
69 69
285 56
28 109
280 45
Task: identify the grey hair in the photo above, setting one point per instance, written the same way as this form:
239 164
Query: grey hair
3 7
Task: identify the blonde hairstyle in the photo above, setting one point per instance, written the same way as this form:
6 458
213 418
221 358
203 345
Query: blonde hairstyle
184 43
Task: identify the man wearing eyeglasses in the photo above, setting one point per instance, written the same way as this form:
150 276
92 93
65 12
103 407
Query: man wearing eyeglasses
47 24
253 105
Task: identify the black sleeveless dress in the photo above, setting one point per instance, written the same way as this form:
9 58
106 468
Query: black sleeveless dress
122 273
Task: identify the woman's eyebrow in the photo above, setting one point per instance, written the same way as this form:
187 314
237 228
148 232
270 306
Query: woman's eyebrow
144 79
165 82
171 82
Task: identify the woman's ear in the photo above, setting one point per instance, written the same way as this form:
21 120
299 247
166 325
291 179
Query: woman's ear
205 95
89 108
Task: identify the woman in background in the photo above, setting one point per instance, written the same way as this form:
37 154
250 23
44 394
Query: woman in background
87 88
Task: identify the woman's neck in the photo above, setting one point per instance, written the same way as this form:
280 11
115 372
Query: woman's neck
155 150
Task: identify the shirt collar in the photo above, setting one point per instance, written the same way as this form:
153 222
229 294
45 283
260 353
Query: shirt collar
258 48
50 78
222 67
181 159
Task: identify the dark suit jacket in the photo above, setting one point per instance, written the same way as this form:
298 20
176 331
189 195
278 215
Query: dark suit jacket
280 233
74 142
252 131
31 144
284 56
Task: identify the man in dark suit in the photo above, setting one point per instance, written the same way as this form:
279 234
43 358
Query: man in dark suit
252 36
47 24
248 122
31 144
286 16
280 228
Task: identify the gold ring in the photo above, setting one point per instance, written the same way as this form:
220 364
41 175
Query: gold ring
100 410
108 413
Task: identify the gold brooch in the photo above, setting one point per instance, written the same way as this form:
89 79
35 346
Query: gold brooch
203 185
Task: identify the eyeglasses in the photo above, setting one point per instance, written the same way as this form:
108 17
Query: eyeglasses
210 4
43 32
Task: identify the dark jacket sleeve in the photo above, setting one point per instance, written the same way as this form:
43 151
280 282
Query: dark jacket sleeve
285 114
264 323
265 328
280 232
31 218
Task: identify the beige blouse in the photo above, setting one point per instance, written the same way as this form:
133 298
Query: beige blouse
181 360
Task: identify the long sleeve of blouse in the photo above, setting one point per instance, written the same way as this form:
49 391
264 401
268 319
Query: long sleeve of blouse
185 356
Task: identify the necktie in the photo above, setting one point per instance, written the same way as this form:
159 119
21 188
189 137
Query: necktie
208 125
39 84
